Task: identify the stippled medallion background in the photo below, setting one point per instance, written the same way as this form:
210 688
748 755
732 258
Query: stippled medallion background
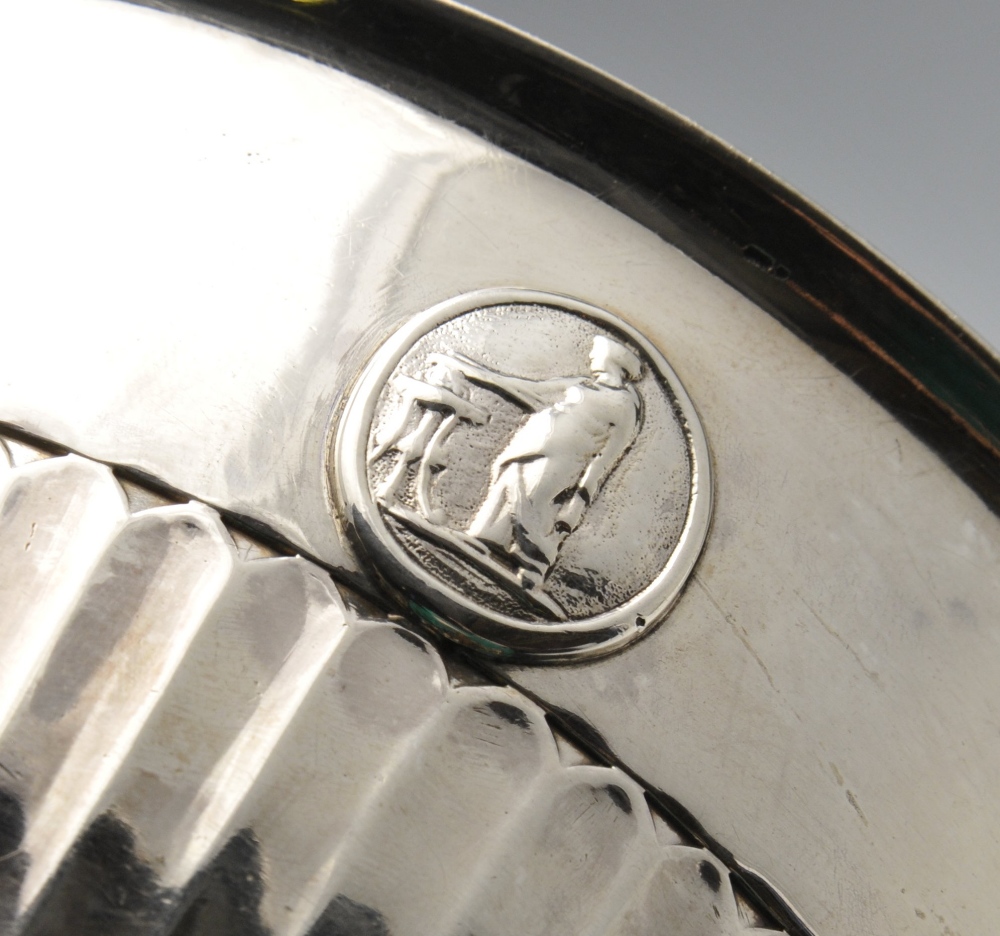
527 471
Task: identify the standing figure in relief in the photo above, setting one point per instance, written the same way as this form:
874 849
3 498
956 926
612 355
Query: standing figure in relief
556 462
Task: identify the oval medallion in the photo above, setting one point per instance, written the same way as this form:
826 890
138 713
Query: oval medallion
527 471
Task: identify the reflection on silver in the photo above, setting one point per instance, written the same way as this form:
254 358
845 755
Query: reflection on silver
823 697
58 516
195 733
115 653
492 447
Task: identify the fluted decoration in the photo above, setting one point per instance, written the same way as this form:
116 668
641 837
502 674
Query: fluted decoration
196 743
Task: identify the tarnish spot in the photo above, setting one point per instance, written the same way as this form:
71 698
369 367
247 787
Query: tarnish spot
412 638
620 798
510 714
710 875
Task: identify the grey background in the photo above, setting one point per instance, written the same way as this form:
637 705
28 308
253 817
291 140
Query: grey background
886 114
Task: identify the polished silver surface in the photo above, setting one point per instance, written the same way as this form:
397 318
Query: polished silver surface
204 730
823 696
57 518
493 454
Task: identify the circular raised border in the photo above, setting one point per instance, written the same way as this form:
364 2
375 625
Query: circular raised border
444 608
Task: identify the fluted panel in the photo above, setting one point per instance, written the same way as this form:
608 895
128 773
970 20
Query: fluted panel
351 735
56 518
471 771
242 682
143 604
563 863
205 745
687 892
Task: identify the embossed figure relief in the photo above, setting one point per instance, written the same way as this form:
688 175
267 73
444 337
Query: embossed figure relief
544 479
529 465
